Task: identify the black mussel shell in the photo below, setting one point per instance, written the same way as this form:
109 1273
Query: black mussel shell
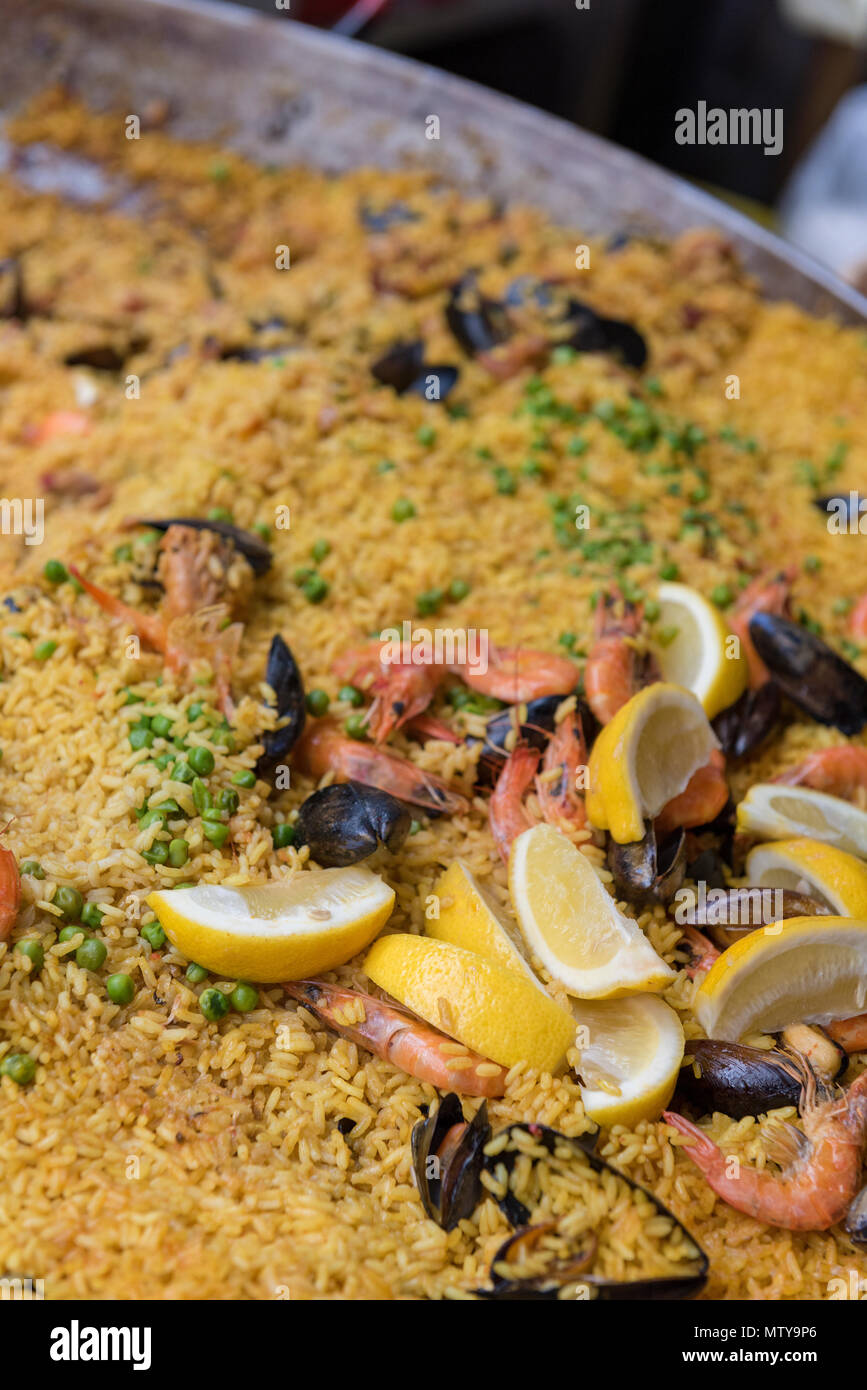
446 378
105 357
247 543
845 504
535 729
707 866
538 1286
856 1219
400 366
813 676
273 324
347 821
590 332
447 1160
528 289
748 722
284 678
736 1080
726 914
646 873
475 321
666 1287
382 219
13 304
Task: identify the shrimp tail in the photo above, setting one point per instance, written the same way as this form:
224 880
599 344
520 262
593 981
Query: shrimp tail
150 629
10 892
701 1149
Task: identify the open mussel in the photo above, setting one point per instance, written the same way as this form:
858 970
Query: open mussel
447 1161
591 332
477 322
736 1080
284 678
252 547
748 722
646 872
727 914
531 723
856 1219
810 673
404 369
347 822
828 1059
558 1266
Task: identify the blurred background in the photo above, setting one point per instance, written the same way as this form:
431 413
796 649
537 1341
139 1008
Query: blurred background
622 68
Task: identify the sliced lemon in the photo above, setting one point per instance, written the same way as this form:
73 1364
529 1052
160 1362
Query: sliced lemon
781 812
804 970
700 652
469 915
644 757
573 925
486 1006
631 1051
279 931
822 871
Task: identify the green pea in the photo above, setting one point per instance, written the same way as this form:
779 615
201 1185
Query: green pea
162 761
70 902
224 737
228 801
356 726
219 514
403 509
154 935
244 998
201 796
669 571
196 973
414 827
244 777
140 738
201 760
161 725
318 702
283 835
157 854
92 915
176 886
320 550
302 574
44 650
182 772
351 695
458 589
179 852
132 698
19 1068
426 435
91 954
652 610
120 989
567 640
149 818
215 831
33 867
721 595
34 952
315 589
505 482
123 554
195 711
55 572
263 530
214 1004
428 602
70 933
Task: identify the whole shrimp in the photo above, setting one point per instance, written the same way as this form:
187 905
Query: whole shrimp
768 593
401 1038
324 747
10 892
557 786
821 1167
840 771
402 690
616 668
518 674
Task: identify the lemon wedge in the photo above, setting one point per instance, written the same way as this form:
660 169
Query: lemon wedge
469 916
573 925
781 812
631 1051
700 653
804 970
487 1007
644 757
277 931
837 879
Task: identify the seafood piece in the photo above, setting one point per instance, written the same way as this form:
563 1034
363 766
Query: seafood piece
858 618
399 1037
591 332
531 723
13 301
58 424
447 1161
556 1254
813 676
10 892
247 543
427 726
348 821
401 689
839 771
856 1219
727 914
106 357
703 953
768 593
820 1168
616 668
284 677
736 1080
850 1033
518 674
404 369
704 797
385 218
324 747
562 762
477 322
507 814
827 1058
645 871
747 723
